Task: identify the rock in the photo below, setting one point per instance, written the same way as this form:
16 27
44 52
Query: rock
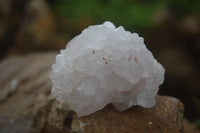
106 64
27 25
24 89
26 105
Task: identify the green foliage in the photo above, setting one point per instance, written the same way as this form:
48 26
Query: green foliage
184 7
196 102
196 123
131 14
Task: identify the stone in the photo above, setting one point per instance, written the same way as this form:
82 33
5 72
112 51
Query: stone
26 105
103 65
165 117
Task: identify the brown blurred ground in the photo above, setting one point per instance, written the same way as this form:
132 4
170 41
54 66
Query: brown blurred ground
28 26
189 128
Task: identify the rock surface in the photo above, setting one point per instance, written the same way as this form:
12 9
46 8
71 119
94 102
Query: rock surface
26 105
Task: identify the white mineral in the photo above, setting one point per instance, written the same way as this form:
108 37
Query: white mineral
103 65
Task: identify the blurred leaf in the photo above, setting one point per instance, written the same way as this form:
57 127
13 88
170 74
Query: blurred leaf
131 14
184 7
196 123
196 102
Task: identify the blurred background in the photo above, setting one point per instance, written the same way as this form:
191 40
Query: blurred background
171 30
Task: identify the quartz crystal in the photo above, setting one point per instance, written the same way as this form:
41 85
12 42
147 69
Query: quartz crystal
103 65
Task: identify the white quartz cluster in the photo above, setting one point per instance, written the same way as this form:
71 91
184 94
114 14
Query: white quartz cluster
103 65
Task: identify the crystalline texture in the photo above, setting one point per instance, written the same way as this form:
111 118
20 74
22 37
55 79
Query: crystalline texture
103 65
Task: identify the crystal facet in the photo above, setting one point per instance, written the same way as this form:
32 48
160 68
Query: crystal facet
103 65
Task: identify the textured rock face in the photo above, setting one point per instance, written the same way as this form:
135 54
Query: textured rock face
103 65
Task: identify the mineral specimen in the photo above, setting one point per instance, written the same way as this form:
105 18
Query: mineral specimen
103 65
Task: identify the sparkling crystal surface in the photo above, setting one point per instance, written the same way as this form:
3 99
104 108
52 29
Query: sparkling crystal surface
103 65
